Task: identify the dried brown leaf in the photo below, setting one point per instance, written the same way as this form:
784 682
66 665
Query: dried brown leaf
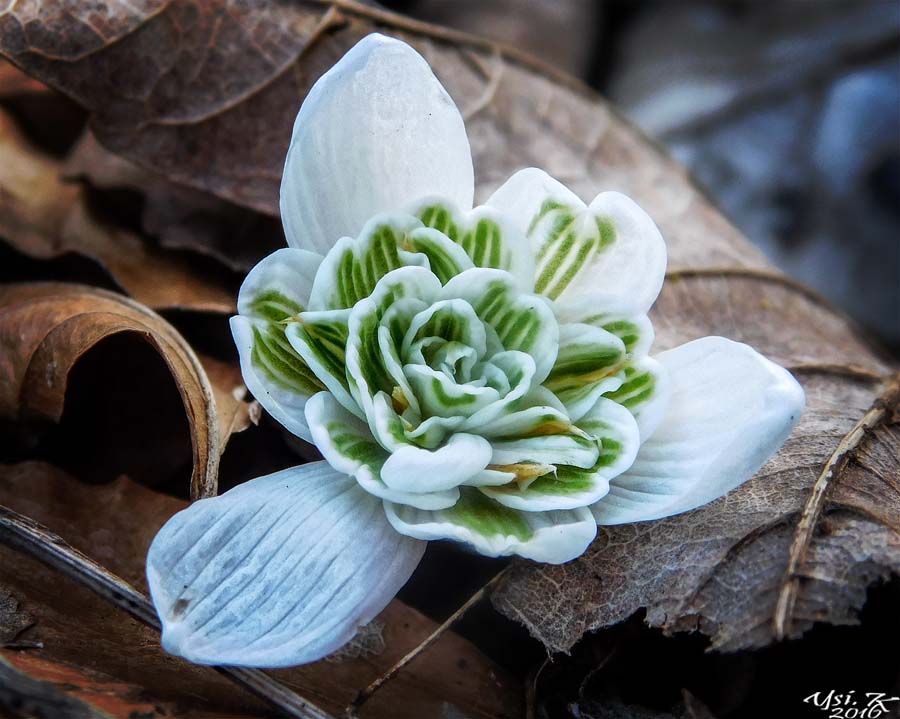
13 621
221 120
14 82
45 217
224 128
46 328
180 218
115 523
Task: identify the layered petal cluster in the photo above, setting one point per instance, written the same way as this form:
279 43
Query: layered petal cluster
476 374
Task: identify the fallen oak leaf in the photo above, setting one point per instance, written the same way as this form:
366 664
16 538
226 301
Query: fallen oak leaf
45 217
46 328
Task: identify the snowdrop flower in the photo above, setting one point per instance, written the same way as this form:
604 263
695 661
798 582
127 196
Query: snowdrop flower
479 375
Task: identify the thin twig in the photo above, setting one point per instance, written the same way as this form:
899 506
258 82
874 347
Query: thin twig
880 410
25 535
751 273
366 694
851 371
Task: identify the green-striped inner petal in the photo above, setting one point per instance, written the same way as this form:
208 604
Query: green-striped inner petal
517 325
274 306
626 330
275 359
568 245
566 480
326 340
631 331
441 219
351 445
360 268
484 242
637 388
445 258
370 361
580 364
483 515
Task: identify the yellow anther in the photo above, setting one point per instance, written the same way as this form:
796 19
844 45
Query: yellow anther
526 472
399 401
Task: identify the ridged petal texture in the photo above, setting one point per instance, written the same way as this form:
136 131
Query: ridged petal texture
278 571
730 409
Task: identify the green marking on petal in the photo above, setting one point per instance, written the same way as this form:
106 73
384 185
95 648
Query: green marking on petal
637 388
447 400
274 306
607 232
568 245
610 450
564 217
579 364
635 331
441 219
367 262
588 363
445 258
274 358
370 360
321 338
355 448
517 324
566 480
484 242
625 330
483 515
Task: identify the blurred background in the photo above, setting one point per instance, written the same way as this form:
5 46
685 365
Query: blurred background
787 113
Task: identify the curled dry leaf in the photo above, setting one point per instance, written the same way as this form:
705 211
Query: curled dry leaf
223 126
46 328
45 217
115 523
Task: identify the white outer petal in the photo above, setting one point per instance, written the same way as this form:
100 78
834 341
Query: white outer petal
730 409
375 133
279 571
